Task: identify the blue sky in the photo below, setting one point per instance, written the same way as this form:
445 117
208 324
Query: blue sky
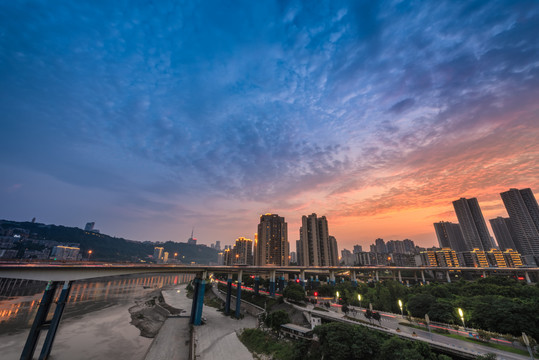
151 118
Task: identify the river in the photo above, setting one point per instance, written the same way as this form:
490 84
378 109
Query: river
96 321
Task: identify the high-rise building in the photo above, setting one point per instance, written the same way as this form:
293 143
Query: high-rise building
315 246
357 249
89 226
523 211
242 253
450 236
503 230
293 257
271 246
218 245
472 223
380 246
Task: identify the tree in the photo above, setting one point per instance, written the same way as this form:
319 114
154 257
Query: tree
276 319
294 292
488 356
419 305
343 341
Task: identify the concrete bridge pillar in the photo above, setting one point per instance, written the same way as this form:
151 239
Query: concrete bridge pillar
377 276
423 276
400 276
332 278
228 293
272 283
198 299
302 278
257 285
527 277
448 276
484 274
281 283
353 278
238 295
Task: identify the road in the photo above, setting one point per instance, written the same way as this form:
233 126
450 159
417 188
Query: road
390 322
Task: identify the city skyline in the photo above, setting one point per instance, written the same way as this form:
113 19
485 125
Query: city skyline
151 120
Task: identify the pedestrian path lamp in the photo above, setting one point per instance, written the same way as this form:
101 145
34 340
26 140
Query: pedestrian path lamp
359 299
400 306
461 314
337 297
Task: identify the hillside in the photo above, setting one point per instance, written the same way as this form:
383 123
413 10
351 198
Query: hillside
109 248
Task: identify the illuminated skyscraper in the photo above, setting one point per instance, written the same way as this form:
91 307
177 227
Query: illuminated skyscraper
271 247
523 211
472 223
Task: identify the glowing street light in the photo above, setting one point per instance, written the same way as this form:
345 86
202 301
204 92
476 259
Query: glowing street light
89 254
461 314
359 299
400 306
337 297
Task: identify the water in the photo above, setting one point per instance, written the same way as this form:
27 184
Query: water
95 323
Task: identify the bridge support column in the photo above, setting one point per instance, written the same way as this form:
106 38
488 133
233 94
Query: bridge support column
316 282
272 284
228 293
238 295
353 278
423 276
198 299
332 278
257 285
39 321
281 284
400 276
484 274
60 306
302 278
377 276
448 276
527 277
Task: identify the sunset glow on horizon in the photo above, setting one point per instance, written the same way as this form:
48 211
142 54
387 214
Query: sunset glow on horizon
154 119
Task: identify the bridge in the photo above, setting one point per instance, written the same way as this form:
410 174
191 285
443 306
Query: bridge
55 274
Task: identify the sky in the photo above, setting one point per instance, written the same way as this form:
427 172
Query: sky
152 118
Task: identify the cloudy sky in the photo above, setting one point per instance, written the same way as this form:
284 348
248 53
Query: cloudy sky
151 118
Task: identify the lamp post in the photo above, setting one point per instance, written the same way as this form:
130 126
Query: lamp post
400 306
89 254
359 299
427 320
461 314
527 342
337 297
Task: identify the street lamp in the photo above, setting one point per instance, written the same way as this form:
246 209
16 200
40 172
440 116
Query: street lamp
359 299
400 305
337 297
461 314
89 254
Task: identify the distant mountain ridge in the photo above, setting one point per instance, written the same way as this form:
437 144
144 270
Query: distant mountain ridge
109 248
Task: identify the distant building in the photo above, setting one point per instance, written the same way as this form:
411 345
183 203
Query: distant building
293 257
62 252
89 226
347 258
218 245
221 258
271 246
165 257
242 252
357 249
450 236
158 253
380 246
315 246
503 230
523 211
472 223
